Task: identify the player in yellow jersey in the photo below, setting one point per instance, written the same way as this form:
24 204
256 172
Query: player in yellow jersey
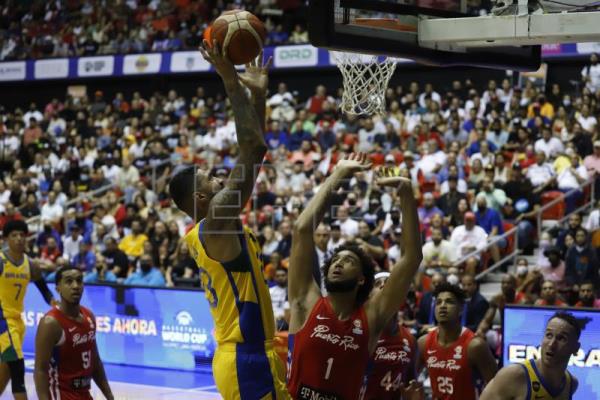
546 378
245 365
16 271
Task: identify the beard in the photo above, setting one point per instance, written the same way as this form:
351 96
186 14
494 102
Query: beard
344 286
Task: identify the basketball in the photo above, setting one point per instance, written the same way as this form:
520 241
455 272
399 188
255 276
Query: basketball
240 34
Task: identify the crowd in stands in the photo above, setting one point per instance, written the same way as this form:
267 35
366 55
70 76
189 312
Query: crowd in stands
66 28
90 175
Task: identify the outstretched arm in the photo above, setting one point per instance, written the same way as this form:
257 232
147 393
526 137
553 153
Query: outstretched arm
387 302
38 279
222 224
303 292
508 384
481 358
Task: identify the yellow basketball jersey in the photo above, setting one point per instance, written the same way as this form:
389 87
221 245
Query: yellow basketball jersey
536 388
237 292
13 285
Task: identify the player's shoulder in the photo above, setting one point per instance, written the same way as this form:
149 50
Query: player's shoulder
515 374
574 383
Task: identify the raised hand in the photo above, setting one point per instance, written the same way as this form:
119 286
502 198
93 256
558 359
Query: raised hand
256 76
352 163
214 55
387 177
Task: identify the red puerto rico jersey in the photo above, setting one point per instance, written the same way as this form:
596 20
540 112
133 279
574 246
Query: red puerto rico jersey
390 366
73 358
449 370
329 356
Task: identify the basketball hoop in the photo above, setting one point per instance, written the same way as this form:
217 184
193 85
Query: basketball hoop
366 78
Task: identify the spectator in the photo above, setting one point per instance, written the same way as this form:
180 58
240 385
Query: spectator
550 145
587 295
428 210
133 244
52 211
336 239
438 252
548 296
146 274
491 221
573 224
555 271
571 178
115 259
71 243
285 243
475 305
30 209
592 163
49 254
395 251
184 269
495 197
279 298
581 260
100 274
466 239
448 202
591 74
348 226
370 243
541 174
85 259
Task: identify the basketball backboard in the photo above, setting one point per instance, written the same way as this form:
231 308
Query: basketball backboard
396 28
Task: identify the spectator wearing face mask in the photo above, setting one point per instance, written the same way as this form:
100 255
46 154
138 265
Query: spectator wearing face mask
146 274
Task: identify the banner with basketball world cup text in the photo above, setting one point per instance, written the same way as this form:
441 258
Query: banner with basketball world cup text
147 327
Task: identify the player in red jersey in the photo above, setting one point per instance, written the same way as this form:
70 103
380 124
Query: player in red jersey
66 355
331 338
392 365
452 354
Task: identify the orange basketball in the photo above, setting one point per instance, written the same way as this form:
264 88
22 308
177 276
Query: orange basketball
240 34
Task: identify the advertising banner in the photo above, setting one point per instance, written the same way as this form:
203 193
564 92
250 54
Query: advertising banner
523 334
188 61
295 56
13 71
96 66
140 326
134 64
51 69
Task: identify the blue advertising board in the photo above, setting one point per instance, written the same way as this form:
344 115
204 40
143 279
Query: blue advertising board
284 57
523 333
148 327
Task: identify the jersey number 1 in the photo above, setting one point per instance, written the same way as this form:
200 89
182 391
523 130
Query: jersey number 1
329 365
86 358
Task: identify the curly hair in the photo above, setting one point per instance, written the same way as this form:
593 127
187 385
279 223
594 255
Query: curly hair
368 269
454 289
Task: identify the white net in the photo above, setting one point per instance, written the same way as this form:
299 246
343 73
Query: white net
366 79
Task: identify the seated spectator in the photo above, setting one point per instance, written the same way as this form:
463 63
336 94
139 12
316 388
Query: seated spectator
370 243
145 274
572 178
448 202
466 239
71 243
52 211
587 295
475 306
395 251
49 254
100 274
582 263
30 209
550 145
438 253
541 174
184 271
428 210
491 221
279 298
548 296
85 259
573 224
495 197
116 260
508 295
555 271
133 244
592 163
